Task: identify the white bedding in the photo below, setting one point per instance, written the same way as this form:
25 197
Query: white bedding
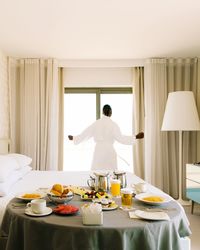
41 179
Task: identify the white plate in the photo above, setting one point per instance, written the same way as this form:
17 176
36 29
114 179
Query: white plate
141 197
152 215
20 196
28 211
101 200
106 207
113 207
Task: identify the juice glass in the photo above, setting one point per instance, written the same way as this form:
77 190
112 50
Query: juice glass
115 187
126 197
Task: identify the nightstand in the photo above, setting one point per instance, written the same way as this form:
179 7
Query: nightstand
193 184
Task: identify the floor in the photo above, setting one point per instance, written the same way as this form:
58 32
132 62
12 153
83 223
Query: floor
194 225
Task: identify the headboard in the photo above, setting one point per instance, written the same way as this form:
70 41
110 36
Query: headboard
4 146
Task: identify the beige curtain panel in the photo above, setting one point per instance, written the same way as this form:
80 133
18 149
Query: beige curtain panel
36 100
161 148
138 105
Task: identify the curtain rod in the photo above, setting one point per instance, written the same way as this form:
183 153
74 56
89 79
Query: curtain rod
101 63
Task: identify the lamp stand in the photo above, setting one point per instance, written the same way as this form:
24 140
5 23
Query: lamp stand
180 200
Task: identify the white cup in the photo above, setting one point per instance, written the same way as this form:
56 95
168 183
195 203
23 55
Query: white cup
140 187
38 206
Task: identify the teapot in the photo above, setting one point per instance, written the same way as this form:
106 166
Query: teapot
99 181
121 175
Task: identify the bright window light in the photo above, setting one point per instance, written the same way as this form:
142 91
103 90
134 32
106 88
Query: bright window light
79 113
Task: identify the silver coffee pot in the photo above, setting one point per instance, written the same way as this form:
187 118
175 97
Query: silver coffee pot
99 181
121 175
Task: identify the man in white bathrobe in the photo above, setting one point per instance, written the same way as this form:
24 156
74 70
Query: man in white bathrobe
105 132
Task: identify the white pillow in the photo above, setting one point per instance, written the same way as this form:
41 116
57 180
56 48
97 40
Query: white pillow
22 160
23 171
14 177
7 166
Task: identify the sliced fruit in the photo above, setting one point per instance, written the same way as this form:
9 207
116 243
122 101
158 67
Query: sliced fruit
65 209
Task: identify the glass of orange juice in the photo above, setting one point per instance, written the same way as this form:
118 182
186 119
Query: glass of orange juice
115 187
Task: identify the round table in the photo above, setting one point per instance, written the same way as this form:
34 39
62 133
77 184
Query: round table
68 232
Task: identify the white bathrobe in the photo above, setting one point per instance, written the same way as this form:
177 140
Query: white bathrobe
104 132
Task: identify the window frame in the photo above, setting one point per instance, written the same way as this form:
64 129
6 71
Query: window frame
98 91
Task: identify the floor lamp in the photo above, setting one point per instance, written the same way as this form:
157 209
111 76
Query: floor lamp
181 115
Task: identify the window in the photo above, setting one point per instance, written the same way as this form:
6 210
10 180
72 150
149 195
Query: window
84 106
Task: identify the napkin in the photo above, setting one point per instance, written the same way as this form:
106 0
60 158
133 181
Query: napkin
92 214
132 215
93 208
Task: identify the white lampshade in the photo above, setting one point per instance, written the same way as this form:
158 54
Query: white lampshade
181 112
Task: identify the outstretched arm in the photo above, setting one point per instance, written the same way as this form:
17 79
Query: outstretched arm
123 139
127 140
85 135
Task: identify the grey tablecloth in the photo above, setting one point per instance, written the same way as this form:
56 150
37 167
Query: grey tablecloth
67 232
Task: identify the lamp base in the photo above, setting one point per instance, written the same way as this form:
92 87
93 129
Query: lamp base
183 202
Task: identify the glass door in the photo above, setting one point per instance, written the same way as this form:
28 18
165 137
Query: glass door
79 113
81 108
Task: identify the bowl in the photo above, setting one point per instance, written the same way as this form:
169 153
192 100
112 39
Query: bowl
60 199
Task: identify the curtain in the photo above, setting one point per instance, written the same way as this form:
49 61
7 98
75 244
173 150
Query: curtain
155 81
138 107
60 117
161 148
36 105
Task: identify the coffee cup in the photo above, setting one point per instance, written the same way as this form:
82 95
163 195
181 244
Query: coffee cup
38 206
140 187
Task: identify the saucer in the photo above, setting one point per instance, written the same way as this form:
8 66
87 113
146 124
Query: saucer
112 207
47 211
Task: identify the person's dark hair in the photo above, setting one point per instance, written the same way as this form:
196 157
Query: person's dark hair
107 110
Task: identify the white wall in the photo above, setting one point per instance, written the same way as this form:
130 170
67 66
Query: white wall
4 108
97 77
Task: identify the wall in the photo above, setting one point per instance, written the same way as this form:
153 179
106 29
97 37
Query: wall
4 108
97 77
99 73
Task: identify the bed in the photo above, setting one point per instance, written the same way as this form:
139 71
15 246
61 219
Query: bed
35 180
32 180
